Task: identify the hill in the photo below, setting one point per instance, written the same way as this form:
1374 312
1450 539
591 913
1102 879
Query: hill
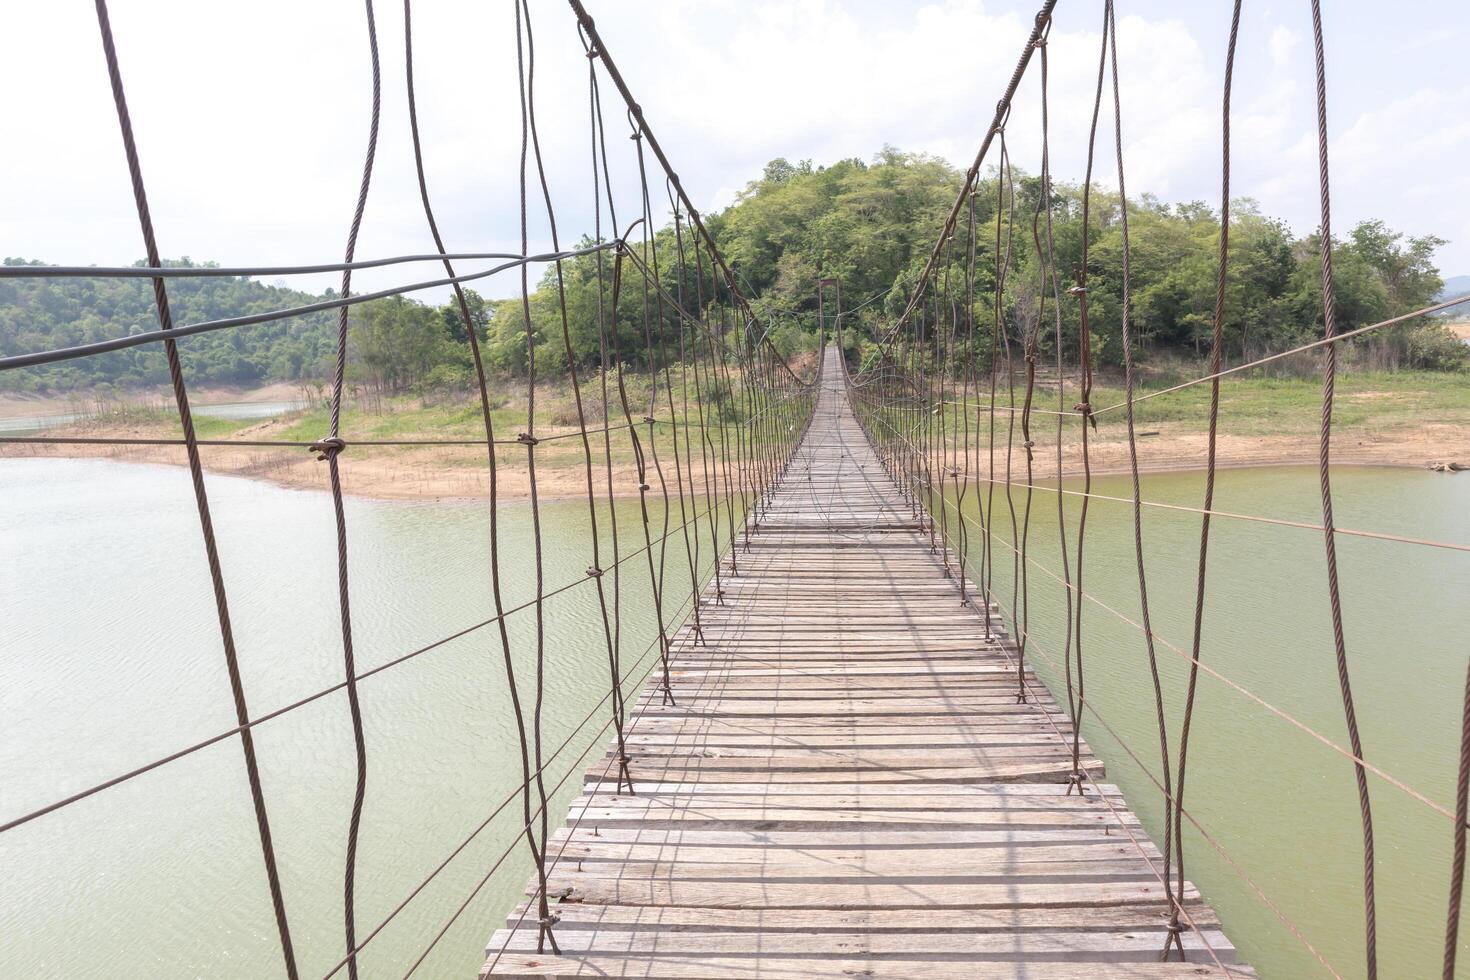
37 314
867 223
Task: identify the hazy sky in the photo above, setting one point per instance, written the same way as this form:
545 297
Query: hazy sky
252 118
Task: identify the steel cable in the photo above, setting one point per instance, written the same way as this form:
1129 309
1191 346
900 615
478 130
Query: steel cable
201 498
1329 378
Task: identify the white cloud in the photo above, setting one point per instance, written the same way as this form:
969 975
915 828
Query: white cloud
1284 43
252 124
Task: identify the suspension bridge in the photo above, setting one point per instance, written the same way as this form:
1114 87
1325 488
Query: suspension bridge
829 755
845 783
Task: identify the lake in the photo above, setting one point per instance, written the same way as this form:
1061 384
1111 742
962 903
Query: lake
110 657
24 425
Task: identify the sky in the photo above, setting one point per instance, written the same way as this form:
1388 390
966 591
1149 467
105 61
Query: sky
252 118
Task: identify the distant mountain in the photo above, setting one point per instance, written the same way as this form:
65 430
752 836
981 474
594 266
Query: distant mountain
37 314
1456 286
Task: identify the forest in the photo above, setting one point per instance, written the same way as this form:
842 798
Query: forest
869 224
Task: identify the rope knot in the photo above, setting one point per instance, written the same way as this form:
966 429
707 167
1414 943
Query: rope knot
327 448
526 439
1084 407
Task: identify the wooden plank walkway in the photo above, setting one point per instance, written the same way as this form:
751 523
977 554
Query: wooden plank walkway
847 786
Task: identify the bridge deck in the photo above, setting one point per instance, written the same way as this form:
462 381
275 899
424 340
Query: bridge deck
847 786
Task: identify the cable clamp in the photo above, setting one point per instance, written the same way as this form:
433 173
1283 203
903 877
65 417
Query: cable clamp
644 488
526 439
1077 291
594 572
649 419
550 920
327 448
593 52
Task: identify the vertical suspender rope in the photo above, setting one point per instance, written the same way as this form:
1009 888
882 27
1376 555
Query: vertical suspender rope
1128 381
330 449
1084 406
604 323
526 67
201 497
610 631
1048 271
1216 343
1329 378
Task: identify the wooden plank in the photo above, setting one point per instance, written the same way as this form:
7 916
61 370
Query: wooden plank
835 968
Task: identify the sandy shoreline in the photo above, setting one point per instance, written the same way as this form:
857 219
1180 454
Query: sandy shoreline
461 472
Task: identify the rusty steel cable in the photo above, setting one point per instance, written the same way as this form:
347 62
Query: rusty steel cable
1457 858
329 449
525 70
1329 378
1006 182
641 463
654 355
1048 270
1076 704
52 356
1129 381
612 635
1030 328
233 271
305 444
710 472
1216 344
201 498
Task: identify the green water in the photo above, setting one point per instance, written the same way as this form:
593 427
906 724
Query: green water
1278 801
109 657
